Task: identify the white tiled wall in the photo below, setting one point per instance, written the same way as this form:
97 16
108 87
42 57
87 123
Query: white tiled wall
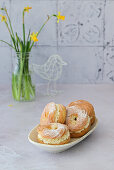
85 39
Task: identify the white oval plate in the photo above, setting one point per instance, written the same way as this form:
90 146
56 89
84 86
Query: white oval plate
58 148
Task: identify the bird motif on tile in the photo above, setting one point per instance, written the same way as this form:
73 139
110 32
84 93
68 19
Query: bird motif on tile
51 70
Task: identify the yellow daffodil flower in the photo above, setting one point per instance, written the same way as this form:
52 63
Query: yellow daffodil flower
26 9
33 37
60 17
3 18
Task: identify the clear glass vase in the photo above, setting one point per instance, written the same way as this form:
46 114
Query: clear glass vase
22 86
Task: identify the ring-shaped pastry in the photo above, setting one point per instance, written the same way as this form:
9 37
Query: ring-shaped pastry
53 113
85 105
53 134
77 121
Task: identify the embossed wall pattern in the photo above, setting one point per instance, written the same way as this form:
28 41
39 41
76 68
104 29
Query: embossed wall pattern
85 39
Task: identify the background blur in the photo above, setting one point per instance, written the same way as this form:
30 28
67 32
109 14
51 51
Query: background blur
84 40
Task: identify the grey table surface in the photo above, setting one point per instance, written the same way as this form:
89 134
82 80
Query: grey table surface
95 152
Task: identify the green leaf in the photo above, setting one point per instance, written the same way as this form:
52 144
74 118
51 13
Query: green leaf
14 42
20 43
7 43
28 36
17 43
28 46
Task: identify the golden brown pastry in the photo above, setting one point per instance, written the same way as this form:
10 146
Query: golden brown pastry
77 121
85 105
53 113
53 134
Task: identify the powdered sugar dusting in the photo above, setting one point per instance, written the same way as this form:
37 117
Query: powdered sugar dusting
56 131
80 115
74 109
77 102
51 107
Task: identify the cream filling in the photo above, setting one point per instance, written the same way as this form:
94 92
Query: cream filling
84 126
57 113
56 140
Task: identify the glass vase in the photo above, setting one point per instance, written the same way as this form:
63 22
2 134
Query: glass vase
22 85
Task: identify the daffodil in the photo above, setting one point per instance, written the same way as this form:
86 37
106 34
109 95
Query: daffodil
60 17
33 37
3 18
26 9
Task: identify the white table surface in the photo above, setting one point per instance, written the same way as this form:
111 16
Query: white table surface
96 152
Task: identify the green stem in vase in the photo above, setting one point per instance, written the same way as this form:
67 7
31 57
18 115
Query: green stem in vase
14 86
21 80
20 76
